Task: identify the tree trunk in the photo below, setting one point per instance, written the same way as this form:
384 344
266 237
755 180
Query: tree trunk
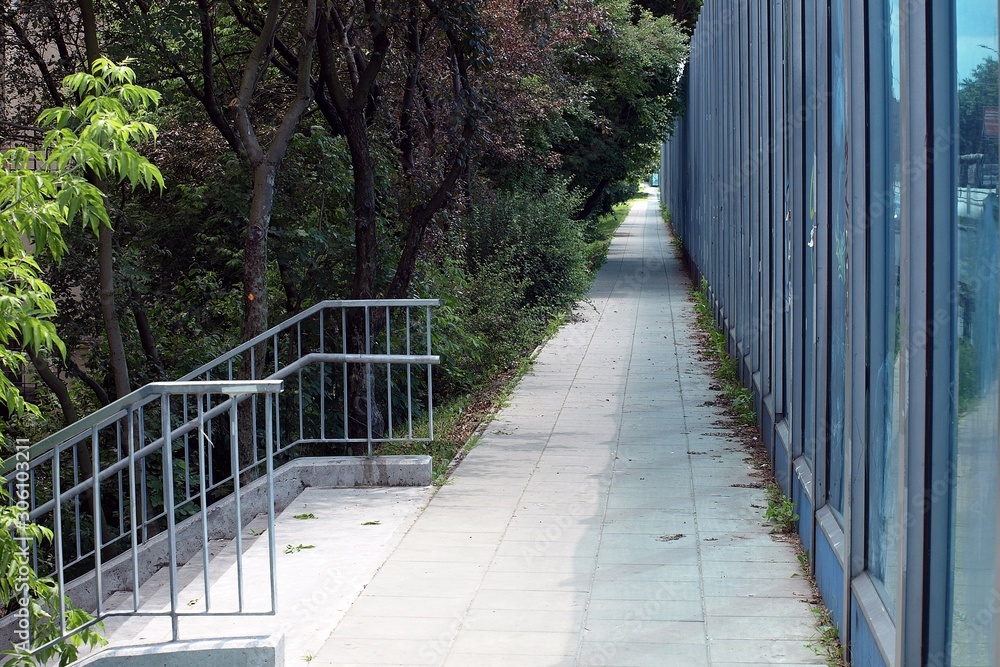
594 199
365 277
105 248
255 253
109 312
146 338
58 387
87 379
254 304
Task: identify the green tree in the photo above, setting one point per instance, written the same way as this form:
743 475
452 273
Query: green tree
977 92
630 70
41 193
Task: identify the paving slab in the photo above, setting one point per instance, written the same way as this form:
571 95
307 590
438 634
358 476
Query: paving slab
603 518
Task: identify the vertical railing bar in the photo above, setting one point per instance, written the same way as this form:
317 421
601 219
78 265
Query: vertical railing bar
57 536
430 385
272 550
253 411
203 500
234 452
168 508
368 377
230 367
388 372
76 501
187 454
98 541
277 422
31 484
211 456
277 359
409 393
302 431
343 335
322 376
143 486
130 417
121 481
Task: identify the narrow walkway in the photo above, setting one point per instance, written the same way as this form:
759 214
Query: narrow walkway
599 521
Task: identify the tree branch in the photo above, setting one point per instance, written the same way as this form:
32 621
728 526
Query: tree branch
36 57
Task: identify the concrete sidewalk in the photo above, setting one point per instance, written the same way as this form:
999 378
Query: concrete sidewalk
599 521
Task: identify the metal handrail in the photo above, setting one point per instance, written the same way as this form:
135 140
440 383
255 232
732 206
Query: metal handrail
137 458
113 409
101 488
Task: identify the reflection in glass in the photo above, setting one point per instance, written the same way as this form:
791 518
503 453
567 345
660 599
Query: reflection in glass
974 456
838 258
884 359
809 249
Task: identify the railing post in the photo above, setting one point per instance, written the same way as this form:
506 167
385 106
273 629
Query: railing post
271 539
234 437
168 508
203 502
98 523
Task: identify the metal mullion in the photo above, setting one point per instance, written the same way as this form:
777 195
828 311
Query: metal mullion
941 260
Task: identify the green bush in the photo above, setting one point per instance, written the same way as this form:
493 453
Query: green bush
529 231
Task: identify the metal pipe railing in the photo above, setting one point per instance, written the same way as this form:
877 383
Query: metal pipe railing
159 454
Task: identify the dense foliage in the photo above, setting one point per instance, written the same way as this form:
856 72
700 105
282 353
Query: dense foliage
328 149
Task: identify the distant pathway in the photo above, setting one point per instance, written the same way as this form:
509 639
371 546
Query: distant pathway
597 521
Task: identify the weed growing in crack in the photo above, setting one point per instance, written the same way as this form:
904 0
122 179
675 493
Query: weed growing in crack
780 512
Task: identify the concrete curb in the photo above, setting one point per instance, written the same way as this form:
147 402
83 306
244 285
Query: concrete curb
239 652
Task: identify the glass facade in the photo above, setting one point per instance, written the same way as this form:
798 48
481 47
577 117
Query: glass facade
874 270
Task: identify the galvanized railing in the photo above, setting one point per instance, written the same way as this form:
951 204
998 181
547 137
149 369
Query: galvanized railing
170 450
118 505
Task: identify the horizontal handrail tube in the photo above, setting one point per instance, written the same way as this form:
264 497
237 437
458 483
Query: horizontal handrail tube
309 312
338 358
116 410
263 386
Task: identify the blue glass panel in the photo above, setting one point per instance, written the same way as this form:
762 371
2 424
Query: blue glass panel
974 456
884 321
838 259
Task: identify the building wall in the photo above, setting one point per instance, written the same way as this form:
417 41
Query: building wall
834 182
